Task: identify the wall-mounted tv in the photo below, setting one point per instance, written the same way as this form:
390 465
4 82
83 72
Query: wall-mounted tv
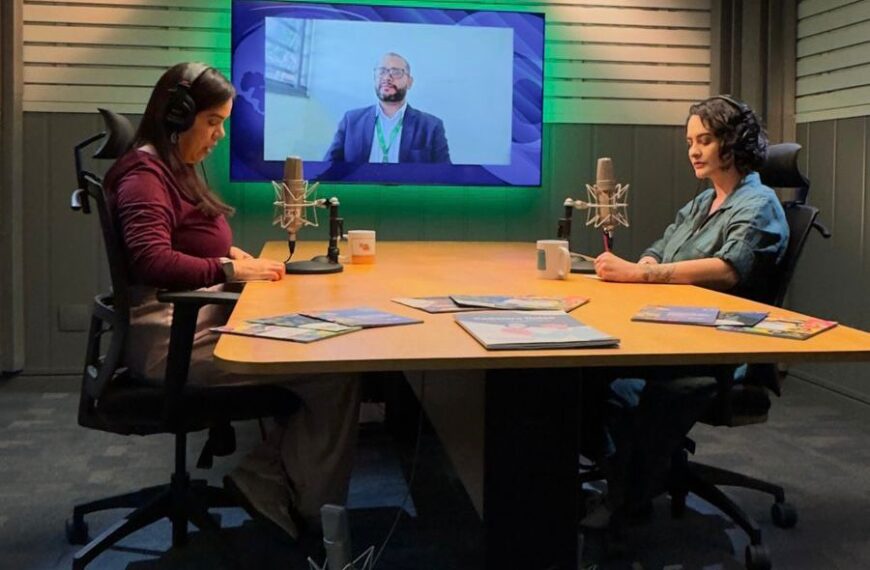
387 94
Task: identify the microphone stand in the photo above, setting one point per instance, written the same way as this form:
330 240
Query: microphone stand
328 263
563 231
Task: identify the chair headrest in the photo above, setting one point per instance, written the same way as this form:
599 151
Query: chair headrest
780 170
119 135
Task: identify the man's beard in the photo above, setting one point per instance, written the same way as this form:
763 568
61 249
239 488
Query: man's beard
396 96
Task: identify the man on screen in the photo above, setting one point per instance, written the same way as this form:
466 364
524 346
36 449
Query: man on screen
390 131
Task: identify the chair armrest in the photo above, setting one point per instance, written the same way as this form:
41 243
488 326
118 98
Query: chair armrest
826 233
186 306
198 298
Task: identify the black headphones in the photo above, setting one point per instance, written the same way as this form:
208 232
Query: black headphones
180 107
731 101
748 125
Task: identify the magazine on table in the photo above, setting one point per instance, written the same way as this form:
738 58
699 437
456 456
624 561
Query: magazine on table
521 302
364 317
433 304
506 330
740 318
295 334
795 328
301 321
677 314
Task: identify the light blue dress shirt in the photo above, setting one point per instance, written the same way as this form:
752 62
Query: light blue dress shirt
387 126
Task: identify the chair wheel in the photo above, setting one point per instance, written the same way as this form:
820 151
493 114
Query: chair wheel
757 557
76 531
784 515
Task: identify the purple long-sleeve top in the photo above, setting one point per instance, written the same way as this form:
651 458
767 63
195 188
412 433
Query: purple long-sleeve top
170 243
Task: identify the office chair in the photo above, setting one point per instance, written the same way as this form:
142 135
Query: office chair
747 402
113 400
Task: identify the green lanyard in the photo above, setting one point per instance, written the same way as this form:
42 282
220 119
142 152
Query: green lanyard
385 148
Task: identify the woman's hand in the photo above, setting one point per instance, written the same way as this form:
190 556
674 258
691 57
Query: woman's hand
609 267
255 269
238 253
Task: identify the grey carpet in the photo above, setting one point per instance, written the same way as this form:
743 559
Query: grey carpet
814 445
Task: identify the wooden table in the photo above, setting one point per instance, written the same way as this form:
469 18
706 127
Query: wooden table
529 487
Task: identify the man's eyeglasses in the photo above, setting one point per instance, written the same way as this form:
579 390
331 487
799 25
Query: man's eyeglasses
394 72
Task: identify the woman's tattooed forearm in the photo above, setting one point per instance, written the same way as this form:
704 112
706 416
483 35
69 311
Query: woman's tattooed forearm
657 273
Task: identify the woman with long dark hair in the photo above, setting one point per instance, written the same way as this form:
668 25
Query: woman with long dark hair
176 235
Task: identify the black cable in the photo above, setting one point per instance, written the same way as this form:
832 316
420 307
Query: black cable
410 479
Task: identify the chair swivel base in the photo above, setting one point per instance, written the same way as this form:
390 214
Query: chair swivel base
704 481
151 505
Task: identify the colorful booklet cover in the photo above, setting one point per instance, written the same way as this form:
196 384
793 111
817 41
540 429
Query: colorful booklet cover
433 304
520 303
362 317
677 314
301 321
796 328
739 318
509 330
295 334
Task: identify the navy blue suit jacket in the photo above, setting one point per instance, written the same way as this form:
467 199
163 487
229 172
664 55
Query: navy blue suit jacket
423 138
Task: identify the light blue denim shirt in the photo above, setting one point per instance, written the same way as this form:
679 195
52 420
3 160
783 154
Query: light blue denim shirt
748 231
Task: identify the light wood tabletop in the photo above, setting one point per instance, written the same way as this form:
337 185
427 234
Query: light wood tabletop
416 269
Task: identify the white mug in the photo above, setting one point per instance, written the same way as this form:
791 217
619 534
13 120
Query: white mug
362 246
554 259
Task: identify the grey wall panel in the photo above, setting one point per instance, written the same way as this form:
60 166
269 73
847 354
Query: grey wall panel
64 264
849 191
833 276
37 263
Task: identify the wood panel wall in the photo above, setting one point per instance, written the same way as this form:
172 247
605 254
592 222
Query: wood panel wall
607 61
833 59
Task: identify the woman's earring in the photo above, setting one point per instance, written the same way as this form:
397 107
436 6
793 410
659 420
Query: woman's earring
173 138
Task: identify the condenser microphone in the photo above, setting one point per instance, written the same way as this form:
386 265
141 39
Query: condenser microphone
293 196
605 190
607 200
336 537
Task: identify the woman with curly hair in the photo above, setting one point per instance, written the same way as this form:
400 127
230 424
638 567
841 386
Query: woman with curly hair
730 238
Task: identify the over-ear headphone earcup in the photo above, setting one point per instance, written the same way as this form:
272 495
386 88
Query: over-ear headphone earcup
180 109
180 106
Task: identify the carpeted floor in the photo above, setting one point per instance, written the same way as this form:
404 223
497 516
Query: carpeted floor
814 444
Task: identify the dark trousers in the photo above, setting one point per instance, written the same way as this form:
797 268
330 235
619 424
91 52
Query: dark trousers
635 419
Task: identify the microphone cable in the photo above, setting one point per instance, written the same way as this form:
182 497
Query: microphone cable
414 462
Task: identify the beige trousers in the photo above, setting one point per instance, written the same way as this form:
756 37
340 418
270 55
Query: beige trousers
313 447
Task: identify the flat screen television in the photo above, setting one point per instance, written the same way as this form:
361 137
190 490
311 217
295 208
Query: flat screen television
314 80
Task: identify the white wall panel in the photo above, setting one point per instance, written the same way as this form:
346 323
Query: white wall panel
607 61
833 59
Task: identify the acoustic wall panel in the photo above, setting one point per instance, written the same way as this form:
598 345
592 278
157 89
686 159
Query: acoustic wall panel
833 59
607 61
